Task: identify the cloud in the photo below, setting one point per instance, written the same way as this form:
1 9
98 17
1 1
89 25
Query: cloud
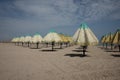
32 15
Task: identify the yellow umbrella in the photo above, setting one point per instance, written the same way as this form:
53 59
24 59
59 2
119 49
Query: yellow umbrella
116 38
108 40
70 39
63 38
103 39
84 36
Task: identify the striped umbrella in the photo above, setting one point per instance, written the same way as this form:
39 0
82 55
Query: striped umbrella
84 37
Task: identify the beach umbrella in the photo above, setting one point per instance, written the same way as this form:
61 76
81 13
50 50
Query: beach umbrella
52 37
103 40
76 35
28 40
13 40
116 38
37 39
64 39
109 39
22 39
69 40
16 40
84 37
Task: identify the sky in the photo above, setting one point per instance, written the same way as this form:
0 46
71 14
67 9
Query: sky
28 17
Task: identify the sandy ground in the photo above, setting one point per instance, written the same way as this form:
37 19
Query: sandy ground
22 63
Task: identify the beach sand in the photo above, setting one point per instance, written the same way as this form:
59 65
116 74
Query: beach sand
22 63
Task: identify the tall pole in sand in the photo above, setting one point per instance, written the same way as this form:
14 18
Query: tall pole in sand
84 50
37 44
53 43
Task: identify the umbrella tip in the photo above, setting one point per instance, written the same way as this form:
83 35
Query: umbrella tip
52 31
37 34
84 25
118 29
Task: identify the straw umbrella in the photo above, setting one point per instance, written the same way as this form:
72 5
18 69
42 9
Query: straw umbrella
116 38
103 40
27 40
52 38
69 40
22 39
64 39
16 40
76 36
109 40
37 39
84 37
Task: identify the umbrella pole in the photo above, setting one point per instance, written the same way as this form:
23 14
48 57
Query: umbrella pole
119 48
28 44
106 45
84 50
66 44
61 45
37 44
103 45
22 43
111 46
52 46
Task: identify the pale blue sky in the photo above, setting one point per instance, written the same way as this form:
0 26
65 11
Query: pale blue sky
28 17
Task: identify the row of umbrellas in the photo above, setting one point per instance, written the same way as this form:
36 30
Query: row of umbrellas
83 37
112 39
51 37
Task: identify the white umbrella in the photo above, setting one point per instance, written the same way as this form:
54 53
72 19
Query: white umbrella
37 39
22 39
16 40
84 37
28 39
76 35
52 37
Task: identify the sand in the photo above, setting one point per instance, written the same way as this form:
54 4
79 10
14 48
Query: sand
22 63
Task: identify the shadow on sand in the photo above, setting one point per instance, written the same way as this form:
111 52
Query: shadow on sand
111 51
35 48
58 48
79 48
79 51
76 55
115 55
48 50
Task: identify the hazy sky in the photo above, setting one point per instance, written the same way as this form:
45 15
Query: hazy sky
28 17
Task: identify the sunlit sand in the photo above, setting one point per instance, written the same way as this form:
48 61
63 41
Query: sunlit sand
23 63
